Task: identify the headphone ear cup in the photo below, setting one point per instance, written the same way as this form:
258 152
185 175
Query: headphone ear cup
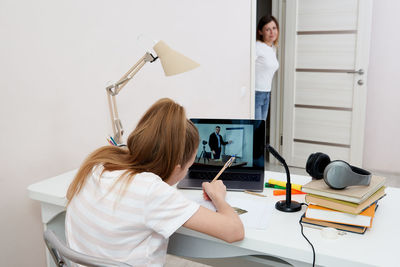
316 164
340 174
310 163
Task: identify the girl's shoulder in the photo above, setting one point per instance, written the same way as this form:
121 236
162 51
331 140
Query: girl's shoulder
99 172
148 176
150 181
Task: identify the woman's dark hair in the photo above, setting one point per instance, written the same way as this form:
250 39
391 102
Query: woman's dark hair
262 22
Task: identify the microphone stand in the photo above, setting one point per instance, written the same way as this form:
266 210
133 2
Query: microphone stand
285 205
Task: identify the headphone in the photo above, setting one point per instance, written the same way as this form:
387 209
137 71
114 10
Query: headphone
337 174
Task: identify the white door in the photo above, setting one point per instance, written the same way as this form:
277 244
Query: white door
325 68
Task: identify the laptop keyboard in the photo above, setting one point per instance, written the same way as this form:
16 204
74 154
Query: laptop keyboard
226 176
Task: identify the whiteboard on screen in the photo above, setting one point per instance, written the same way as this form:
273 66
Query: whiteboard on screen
236 136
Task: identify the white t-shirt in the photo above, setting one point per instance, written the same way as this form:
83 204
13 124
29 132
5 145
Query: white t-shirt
134 229
266 65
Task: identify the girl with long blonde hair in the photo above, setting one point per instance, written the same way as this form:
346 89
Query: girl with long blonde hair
122 204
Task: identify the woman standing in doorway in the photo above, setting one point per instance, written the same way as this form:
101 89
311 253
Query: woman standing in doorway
266 63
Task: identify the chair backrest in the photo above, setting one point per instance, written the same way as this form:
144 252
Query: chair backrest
60 253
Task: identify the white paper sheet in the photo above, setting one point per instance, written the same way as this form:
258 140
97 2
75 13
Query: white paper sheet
258 213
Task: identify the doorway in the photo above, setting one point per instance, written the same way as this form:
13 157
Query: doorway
265 7
318 95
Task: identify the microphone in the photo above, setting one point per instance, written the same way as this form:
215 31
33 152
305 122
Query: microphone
285 205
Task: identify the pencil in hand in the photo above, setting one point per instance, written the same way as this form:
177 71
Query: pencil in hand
227 164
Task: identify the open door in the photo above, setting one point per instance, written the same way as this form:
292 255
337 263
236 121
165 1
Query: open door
325 73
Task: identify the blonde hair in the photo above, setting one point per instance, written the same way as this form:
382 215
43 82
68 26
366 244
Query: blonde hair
163 139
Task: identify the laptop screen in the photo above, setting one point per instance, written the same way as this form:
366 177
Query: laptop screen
222 138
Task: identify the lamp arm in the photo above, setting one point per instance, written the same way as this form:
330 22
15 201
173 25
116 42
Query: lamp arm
114 90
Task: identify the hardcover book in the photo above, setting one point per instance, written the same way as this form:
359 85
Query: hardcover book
324 214
355 193
339 226
345 206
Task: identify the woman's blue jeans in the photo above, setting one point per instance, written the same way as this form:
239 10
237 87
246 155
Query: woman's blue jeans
262 105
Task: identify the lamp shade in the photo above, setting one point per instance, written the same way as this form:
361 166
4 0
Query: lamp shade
173 62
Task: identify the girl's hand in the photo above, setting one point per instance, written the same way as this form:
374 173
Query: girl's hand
214 191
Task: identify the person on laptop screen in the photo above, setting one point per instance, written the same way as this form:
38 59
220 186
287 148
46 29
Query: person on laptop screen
216 142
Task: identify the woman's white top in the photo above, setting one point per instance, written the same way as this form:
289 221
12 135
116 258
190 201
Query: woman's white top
266 65
133 229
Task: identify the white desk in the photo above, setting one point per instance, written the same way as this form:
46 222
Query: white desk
282 238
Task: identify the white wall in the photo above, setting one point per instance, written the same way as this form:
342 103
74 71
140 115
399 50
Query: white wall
56 58
382 130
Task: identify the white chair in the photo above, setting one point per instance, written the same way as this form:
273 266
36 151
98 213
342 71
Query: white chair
62 254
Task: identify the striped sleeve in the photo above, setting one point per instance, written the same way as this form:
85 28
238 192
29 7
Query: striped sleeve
167 209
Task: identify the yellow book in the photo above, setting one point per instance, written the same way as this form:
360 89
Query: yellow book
342 205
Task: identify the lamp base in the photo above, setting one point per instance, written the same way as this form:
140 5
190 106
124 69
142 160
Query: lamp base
293 207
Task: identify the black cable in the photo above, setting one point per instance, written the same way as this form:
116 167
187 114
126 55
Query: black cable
313 250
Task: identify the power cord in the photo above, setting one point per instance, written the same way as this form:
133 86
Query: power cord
302 233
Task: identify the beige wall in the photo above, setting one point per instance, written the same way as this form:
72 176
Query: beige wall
56 57
382 129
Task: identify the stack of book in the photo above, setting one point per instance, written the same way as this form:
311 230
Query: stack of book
351 209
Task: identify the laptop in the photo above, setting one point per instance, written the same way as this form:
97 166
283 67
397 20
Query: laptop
242 138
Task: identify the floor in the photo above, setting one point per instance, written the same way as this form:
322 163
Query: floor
393 180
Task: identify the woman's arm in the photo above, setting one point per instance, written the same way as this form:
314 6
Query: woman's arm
224 224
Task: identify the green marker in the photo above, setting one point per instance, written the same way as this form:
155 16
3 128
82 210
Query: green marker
274 186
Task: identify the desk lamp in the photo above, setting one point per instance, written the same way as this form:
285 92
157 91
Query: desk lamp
285 205
172 62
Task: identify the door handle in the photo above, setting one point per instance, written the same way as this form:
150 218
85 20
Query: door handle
359 72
